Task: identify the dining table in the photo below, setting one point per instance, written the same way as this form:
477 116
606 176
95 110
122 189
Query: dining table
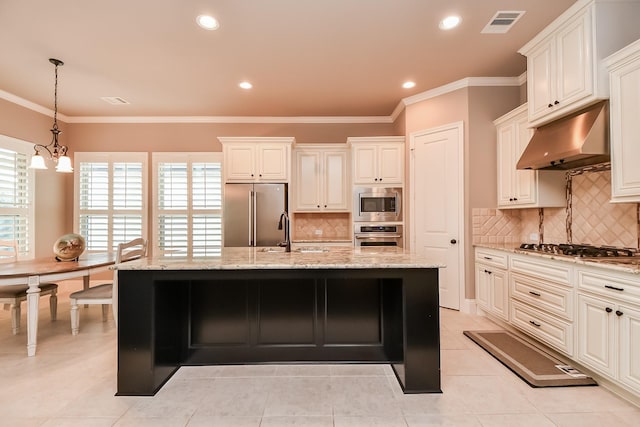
48 269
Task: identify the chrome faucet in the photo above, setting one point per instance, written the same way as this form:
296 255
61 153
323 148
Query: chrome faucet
284 220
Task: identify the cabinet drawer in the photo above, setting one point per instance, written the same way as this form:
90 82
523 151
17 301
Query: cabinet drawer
608 284
554 332
493 258
541 268
539 293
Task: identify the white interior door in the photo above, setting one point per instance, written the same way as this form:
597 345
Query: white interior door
437 204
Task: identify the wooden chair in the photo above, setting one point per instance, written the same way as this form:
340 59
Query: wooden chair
13 295
106 294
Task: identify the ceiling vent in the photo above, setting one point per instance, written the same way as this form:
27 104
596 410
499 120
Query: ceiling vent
502 21
114 100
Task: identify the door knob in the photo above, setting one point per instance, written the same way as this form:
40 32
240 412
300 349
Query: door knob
454 241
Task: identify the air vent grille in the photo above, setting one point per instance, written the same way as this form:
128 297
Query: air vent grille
114 100
502 21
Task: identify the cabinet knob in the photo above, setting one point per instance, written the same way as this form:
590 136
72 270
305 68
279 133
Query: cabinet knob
380 179
608 309
260 175
252 175
318 205
375 179
325 206
619 313
511 199
515 199
454 241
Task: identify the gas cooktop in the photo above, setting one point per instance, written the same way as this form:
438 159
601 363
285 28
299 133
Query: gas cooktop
582 251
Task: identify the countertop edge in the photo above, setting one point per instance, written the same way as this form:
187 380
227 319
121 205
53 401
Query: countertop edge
515 249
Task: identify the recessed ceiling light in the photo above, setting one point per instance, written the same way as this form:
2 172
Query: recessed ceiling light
245 85
450 22
408 85
208 22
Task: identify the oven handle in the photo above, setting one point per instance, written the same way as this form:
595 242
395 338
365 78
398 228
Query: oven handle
379 236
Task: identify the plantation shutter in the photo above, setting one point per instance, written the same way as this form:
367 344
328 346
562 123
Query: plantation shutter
111 190
15 206
188 204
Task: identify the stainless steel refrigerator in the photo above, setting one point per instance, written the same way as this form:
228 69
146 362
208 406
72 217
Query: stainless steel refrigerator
251 213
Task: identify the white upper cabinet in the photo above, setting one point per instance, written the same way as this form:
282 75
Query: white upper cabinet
321 181
564 61
256 159
523 188
624 68
377 160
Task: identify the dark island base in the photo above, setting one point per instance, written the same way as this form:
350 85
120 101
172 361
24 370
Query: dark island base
173 318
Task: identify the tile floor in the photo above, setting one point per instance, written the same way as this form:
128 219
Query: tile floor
72 380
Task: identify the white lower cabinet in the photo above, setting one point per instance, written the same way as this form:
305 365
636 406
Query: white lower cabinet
554 332
609 326
587 312
542 300
491 283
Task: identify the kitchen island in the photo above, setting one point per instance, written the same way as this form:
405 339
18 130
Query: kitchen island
261 305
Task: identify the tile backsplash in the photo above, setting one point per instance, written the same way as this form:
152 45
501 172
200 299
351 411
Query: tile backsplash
331 226
594 220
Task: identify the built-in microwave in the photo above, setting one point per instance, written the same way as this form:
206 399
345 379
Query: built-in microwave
377 204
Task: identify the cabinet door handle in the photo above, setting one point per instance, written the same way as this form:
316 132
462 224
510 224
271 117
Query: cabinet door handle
515 199
550 105
608 309
556 102
619 313
487 271
537 325
614 288
534 293
487 257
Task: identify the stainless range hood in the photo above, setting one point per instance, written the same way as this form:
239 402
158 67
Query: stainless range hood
580 139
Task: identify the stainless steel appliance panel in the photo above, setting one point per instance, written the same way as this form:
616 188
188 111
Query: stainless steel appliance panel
251 213
237 214
377 234
377 204
270 202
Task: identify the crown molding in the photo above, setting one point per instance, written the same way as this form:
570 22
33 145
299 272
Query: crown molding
460 84
423 96
231 119
31 105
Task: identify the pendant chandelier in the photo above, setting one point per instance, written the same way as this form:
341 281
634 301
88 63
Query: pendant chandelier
55 151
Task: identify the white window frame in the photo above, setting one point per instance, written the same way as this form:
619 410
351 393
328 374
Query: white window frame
110 212
25 240
189 158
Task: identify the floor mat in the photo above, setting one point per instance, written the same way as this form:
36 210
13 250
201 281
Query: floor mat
533 365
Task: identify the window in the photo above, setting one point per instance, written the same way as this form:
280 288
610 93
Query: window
187 204
110 196
16 195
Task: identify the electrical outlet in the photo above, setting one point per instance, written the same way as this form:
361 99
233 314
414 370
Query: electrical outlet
534 237
318 232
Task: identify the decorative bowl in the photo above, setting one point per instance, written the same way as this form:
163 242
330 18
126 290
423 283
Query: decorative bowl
69 247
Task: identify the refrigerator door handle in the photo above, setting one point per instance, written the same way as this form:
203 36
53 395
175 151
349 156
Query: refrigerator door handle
254 216
250 234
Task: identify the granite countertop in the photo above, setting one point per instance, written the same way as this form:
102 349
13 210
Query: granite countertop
276 258
622 264
321 241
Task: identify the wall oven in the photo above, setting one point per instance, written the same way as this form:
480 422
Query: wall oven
377 204
377 234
